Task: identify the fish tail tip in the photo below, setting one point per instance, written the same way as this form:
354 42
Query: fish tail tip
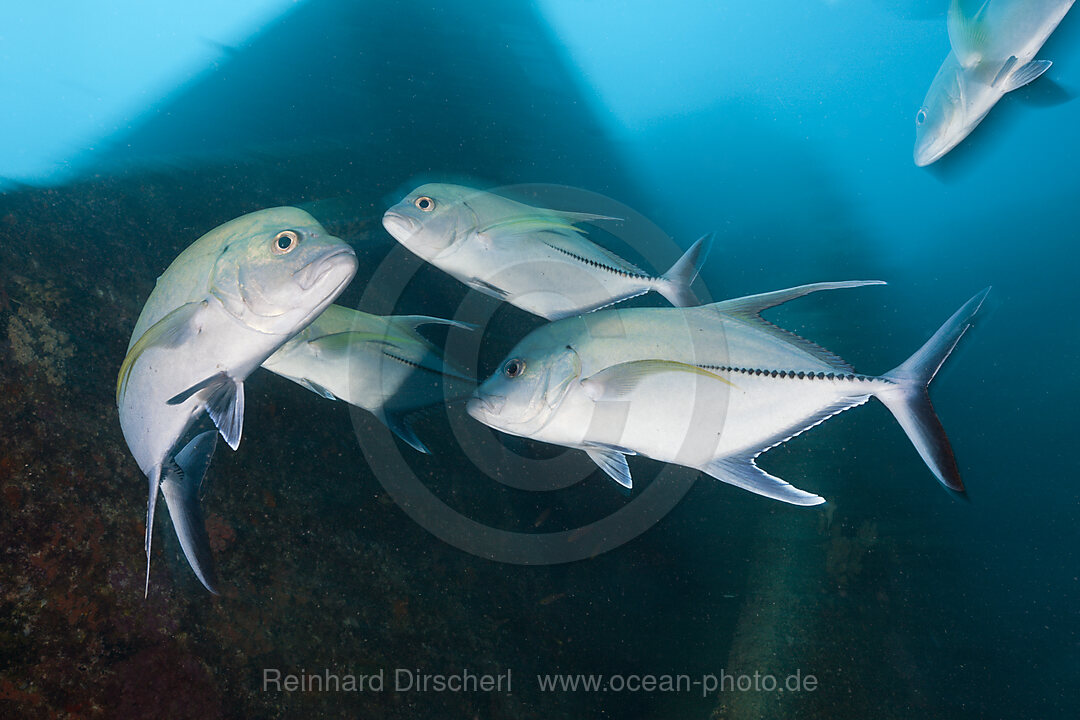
908 399
675 283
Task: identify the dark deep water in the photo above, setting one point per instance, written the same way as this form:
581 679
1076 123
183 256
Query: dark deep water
896 597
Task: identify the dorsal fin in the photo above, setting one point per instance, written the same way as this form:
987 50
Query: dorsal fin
748 309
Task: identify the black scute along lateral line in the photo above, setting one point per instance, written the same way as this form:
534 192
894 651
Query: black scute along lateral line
600 265
410 363
792 374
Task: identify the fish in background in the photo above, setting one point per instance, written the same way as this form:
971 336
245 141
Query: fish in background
994 43
534 258
222 307
711 387
380 364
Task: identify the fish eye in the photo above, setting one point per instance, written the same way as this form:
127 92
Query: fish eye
284 242
920 117
514 368
424 203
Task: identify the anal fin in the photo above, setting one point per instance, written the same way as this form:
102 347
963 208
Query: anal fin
194 459
743 472
414 321
181 491
399 425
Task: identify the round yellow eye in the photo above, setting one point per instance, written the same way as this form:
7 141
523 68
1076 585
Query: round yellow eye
424 203
514 368
284 242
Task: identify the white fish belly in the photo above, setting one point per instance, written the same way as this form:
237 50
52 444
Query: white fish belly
690 420
151 426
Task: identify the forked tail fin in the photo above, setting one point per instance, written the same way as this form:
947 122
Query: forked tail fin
909 401
675 283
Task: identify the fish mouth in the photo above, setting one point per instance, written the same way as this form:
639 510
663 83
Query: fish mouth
926 156
400 226
312 273
481 406
929 150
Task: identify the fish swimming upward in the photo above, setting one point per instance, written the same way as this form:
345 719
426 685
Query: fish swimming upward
220 309
994 43
380 364
711 387
534 258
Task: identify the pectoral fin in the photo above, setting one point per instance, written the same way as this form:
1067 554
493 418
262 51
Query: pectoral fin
225 404
543 220
195 458
342 342
415 321
407 347
743 472
169 331
1025 75
612 462
580 217
618 381
969 33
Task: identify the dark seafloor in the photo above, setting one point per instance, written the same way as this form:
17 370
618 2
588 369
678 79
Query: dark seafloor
320 568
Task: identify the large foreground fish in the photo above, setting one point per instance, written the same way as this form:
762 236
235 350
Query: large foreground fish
994 43
710 387
534 258
220 309
380 364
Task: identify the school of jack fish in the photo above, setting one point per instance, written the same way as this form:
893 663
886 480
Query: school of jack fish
710 387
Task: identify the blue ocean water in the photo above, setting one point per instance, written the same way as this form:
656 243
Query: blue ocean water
785 127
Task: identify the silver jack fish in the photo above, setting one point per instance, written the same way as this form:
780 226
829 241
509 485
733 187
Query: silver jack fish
380 364
994 43
220 309
711 387
534 258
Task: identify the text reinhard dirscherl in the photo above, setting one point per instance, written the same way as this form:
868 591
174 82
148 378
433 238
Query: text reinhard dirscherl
412 680
403 680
